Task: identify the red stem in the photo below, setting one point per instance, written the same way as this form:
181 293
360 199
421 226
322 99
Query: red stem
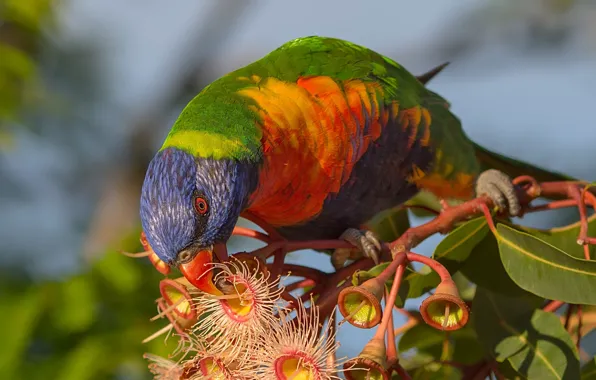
343 273
288 297
265 252
447 219
278 262
588 240
553 306
552 205
390 269
403 374
583 218
248 232
330 281
302 271
269 229
330 297
221 251
300 284
432 264
391 348
317 244
380 333
495 369
489 219
530 185
483 372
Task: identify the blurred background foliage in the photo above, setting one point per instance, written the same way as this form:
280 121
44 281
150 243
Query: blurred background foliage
21 36
88 90
85 326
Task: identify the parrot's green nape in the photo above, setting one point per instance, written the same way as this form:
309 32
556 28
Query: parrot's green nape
314 139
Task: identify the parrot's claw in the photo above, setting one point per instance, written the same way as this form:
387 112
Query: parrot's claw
499 187
366 243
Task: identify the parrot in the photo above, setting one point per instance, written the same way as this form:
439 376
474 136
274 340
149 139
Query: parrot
314 139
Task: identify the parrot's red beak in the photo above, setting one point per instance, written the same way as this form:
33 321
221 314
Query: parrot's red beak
199 272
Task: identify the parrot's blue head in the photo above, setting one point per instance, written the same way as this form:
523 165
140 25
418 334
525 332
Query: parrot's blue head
190 204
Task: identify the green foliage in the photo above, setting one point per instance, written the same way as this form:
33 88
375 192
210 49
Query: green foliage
435 371
15 69
565 238
88 326
589 370
533 341
390 224
485 268
20 312
451 252
20 36
460 346
508 276
544 270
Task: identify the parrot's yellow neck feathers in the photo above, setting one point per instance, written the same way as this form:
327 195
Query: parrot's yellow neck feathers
206 144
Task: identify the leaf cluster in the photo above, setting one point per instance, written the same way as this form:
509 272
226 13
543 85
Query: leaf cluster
507 277
87 326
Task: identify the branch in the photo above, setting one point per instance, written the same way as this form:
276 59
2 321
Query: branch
528 190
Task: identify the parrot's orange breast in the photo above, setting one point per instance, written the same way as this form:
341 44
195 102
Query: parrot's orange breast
314 131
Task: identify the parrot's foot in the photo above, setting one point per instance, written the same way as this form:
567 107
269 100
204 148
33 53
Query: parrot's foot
366 243
499 187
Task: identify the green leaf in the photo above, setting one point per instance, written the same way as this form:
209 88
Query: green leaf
419 337
589 370
485 269
425 199
28 13
465 348
74 309
458 245
84 361
490 311
565 238
429 200
466 288
437 371
19 314
390 224
362 275
549 346
415 359
121 272
544 270
452 252
533 341
509 372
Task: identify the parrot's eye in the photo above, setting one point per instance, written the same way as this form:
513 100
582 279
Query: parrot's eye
201 205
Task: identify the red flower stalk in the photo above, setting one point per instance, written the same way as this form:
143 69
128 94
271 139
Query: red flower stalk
361 305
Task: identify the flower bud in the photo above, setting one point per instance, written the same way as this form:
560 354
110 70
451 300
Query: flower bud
370 364
361 305
445 310
176 296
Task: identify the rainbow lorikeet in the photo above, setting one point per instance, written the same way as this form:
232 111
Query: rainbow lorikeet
315 138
